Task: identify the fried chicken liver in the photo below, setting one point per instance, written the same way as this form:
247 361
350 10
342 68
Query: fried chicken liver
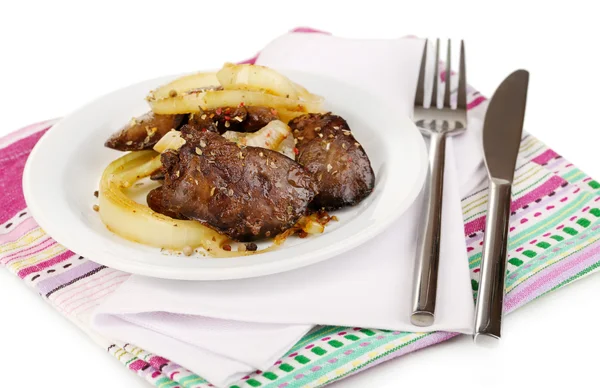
239 119
337 162
143 132
246 193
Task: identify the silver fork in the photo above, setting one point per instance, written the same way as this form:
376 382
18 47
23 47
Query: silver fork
437 123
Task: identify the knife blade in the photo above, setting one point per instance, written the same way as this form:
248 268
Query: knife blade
502 131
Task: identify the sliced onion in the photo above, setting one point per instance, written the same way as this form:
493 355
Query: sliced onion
183 85
172 140
315 222
213 99
255 77
313 227
287 147
287 115
139 223
270 136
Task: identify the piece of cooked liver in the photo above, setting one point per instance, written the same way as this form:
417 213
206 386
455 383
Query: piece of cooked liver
143 132
337 162
245 193
240 119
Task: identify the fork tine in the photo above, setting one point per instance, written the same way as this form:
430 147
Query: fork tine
420 95
448 77
434 94
462 79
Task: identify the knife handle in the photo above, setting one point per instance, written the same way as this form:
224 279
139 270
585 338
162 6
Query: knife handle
489 306
428 253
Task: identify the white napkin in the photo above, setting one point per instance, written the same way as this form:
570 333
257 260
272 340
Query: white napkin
222 330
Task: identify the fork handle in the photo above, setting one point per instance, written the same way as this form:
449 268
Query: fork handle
428 248
488 309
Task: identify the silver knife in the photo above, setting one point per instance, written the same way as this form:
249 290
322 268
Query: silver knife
502 130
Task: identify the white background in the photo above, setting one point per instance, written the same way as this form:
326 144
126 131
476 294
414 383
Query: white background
57 55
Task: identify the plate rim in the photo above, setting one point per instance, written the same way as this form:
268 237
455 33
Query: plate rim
226 273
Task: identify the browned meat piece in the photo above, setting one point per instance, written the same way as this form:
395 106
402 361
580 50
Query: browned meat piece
258 117
218 120
246 193
154 200
144 132
240 119
338 163
158 175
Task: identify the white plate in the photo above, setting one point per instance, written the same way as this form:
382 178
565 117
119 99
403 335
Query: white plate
65 166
